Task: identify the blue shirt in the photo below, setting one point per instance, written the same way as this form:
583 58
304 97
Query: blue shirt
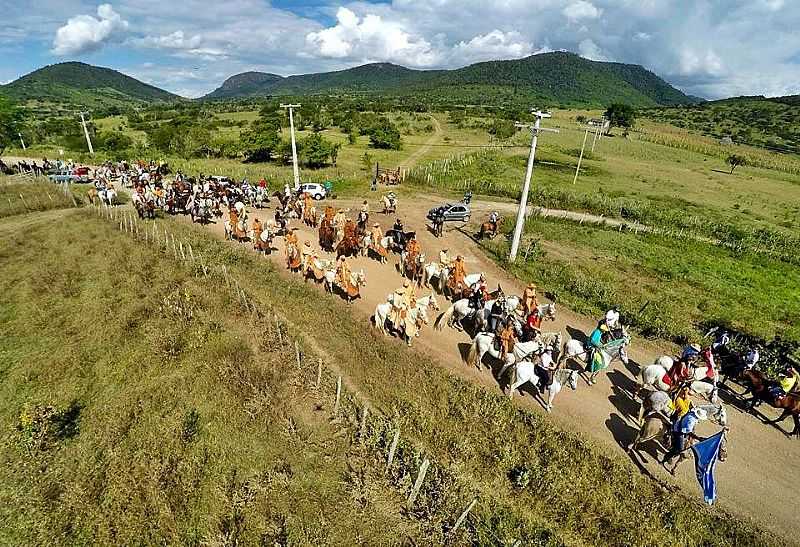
686 424
596 338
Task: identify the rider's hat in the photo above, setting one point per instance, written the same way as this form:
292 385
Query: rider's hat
307 244
406 283
341 258
531 285
700 413
604 327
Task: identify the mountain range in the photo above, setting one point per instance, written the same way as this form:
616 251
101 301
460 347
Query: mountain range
547 78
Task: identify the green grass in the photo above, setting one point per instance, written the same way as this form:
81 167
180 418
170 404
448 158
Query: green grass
139 342
17 199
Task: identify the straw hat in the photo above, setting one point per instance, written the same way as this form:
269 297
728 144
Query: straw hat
700 413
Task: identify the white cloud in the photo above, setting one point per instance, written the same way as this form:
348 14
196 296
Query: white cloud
490 46
587 48
84 33
581 10
175 40
370 38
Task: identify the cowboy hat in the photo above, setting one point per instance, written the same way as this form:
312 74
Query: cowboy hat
700 413
531 285
406 283
307 244
376 225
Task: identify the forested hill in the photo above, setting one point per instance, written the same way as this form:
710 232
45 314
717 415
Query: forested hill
558 77
79 84
772 123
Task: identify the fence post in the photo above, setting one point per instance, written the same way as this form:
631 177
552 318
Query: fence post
338 395
363 426
297 353
423 470
463 516
319 372
393 448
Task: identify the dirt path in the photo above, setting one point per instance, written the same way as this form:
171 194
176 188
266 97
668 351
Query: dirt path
413 158
760 462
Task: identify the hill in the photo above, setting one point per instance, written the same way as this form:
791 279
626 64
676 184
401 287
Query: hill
244 84
557 77
79 84
772 123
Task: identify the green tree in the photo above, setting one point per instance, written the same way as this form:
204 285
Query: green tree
318 151
735 160
113 141
260 141
384 134
11 120
620 115
366 161
502 129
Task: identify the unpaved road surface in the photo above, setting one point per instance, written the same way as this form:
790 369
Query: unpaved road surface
412 159
758 481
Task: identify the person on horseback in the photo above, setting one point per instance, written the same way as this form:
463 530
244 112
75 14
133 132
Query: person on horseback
611 318
786 383
444 260
457 275
533 326
494 217
467 197
307 256
257 229
291 244
339 219
376 235
343 273
413 249
545 367
398 226
365 208
683 431
594 343
529 301
507 337
496 315
681 404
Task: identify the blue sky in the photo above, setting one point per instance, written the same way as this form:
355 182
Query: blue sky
711 48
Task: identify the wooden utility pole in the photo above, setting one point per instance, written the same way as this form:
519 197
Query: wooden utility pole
296 170
86 133
523 201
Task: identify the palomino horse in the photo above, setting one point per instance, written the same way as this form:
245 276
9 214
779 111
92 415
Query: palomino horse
657 427
606 354
525 372
489 229
419 313
352 290
379 249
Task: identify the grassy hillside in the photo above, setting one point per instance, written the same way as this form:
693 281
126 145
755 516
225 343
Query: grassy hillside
79 84
757 121
557 77
185 419
245 84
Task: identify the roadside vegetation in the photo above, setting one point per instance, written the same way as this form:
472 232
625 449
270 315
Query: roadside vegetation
180 411
18 199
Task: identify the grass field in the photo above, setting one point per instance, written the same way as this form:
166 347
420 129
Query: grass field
17 199
158 397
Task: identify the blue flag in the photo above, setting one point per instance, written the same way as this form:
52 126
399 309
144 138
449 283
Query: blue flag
706 453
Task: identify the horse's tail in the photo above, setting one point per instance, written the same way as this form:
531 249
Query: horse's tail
472 354
444 318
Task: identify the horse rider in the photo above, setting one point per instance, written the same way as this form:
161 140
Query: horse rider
287 192
444 260
438 222
681 404
339 219
682 431
493 218
594 343
257 229
413 249
467 197
398 226
343 273
752 358
330 213
786 383
507 336
611 318
721 340
533 325
458 274
307 203
376 235
496 315
308 254
478 293
529 301
291 243
365 208
545 367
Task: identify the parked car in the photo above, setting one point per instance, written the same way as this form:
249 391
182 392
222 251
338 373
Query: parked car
67 175
458 212
317 191
222 180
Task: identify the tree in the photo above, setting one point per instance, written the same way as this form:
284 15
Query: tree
318 151
11 120
620 115
113 141
260 141
366 161
384 134
502 129
735 160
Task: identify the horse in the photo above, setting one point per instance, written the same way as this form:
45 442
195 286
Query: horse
432 271
108 196
351 291
490 229
483 343
202 211
614 349
759 385
653 376
263 242
318 269
379 249
525 372
412 268
550 340
383 310
657 426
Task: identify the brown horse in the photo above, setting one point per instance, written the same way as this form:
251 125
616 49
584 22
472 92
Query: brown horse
489 229
760 385
92 195
327 235
348 247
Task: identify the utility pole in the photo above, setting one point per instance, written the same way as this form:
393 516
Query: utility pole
291 107
86 133
22 142
580 158
594 140
523 200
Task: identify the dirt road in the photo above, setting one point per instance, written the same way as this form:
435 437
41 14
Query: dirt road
413 158
760 462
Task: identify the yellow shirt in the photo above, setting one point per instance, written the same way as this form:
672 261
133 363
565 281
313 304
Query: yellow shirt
681 406
788 383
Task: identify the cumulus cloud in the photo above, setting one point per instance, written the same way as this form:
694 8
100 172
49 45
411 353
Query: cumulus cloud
587 48
84 33
175 40
492 45
581 9
370 38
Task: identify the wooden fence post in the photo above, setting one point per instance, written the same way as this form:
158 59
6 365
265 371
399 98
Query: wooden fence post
423 470
393 448
363 426
297 353
463 516
319 372
338 395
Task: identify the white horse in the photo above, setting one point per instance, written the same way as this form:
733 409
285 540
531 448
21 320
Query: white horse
366 242
108 196
483 343
525 372
656 426
653 376
358 279
546 340
420 311
574 349
435 271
